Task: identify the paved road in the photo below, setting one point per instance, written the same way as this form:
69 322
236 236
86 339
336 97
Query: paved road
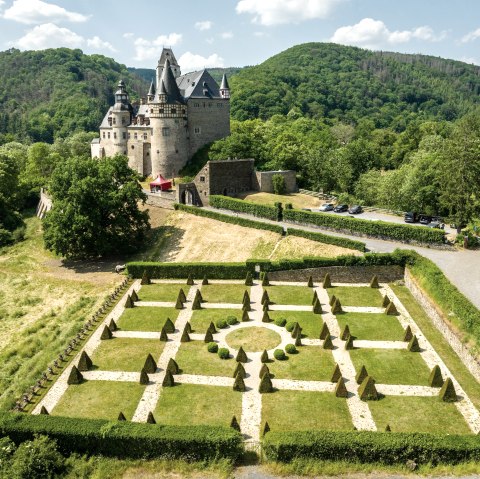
461 267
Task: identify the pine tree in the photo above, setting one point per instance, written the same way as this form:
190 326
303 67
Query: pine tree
435 379
182 296
386 301
241 356
150 365
205 280
265 317
374 282
408 335
121 417
145 278
245 316
240 370
84 363
75 376
190 280
112 325
263 370
134 296
413 345
317 307
336 374
266 385
169 326
43 410
249 279
163 335
239 384
391 309
234 424
349 343
367 390
345 333
327 343
144 377
129 302
265 280
310 282
327 283
332 300
264 357
168 380
266 428
185 336
315 298
447 392
325 332
337 307
340 389
172 366
151 419
106 333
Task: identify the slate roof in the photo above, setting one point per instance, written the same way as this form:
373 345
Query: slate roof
198 85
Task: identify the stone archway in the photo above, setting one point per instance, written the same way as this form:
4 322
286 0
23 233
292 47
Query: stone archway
187 197
225 192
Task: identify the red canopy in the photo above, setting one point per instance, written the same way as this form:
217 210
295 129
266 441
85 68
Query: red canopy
160 184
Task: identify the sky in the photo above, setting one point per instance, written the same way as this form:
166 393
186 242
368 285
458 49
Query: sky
223 33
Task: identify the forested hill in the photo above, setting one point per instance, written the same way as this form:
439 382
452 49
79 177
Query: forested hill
348 83
55 92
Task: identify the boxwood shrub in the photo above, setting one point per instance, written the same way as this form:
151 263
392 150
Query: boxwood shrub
242 206
182 270
223 353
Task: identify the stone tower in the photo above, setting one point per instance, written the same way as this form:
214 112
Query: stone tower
120 119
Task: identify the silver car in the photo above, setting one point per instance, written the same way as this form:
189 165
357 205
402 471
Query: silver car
327 207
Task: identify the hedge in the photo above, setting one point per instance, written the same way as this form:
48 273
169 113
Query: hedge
125 439
367 447
327 239
182 270
378 229
236 220
242 206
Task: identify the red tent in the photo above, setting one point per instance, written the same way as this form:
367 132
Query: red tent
160 184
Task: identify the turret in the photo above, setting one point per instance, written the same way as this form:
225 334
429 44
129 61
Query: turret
225 88
151 92
167 54
121 117
162 94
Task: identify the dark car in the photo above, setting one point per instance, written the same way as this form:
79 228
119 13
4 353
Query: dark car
340 208
425 219
355 210
410 217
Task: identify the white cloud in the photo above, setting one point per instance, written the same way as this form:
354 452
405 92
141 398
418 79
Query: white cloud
226 35
151 49
128 35
37 11
470 60
2 2
205 25
370 33
276 12
98 44
191 62
471 36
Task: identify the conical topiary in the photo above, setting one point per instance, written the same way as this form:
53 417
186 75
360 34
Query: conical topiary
408 335
264 356
435 379
112 325
169 326
245 316
413 345
367 390
388 428
296 327
144 377
265 297
168 380
246 306
266 428
265 317
172 366
188 327
134 296
336 374
185 336
345 333
196 304
145 278
341 389
129 302
150 365
239 384
106 333
324 332
265 307
361 375
205 281
266 385
317 307
310 282
182 295
208 337
190 280
163 335
315 298
327 343
263 370
199 294
385 301
150 418
374 282
241 356
234 424
179 304
265 279
391 309
212 328
75 376
121 417
349 343
298 337
332 300
43 410
447 392
327 282
249 279
246 297
240 370
337 307
84 363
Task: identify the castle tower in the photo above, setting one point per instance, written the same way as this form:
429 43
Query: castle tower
121 117
151 93
224 88
167 54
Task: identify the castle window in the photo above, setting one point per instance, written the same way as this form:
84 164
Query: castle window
145 136
165 131
161 110
151 110
123 120
114 121
115 135
133 147
174 110
103 134
183 111
209 105
124 135
124 152
202 179
196 105
108 135
129 135
203 104
197 130
220 105
135 136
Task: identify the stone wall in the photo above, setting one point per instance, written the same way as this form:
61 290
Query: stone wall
442 325
341 274
264 181
161 200
44 205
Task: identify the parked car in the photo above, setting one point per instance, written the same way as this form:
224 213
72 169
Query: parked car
326 207
355 210
425 219
340 209
436 224
410 217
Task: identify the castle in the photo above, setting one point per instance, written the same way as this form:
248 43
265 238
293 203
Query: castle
181 114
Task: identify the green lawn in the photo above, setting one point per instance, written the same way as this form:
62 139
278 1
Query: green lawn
312 363
193 358
253 339
191 404
146 318
356 295
297 295
100 400
392 366
126 354
418 414
311 323
453 362
162 292
224 293
201 318
371 326
305 410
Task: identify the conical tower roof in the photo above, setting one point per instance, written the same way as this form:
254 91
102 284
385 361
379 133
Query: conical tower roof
224 85
151 91
170 84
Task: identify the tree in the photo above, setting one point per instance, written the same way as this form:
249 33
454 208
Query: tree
278 182
95 209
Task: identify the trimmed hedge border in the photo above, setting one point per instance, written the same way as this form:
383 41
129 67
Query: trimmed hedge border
368 447
126 439
242 206
236 220
327 239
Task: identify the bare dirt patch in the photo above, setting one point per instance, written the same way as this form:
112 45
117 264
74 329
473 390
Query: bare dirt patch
297 199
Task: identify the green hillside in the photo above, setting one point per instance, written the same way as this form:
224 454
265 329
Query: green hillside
348 83
53 93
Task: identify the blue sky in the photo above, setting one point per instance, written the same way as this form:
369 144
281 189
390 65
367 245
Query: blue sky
210 33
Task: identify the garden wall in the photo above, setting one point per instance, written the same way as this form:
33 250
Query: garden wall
161 200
